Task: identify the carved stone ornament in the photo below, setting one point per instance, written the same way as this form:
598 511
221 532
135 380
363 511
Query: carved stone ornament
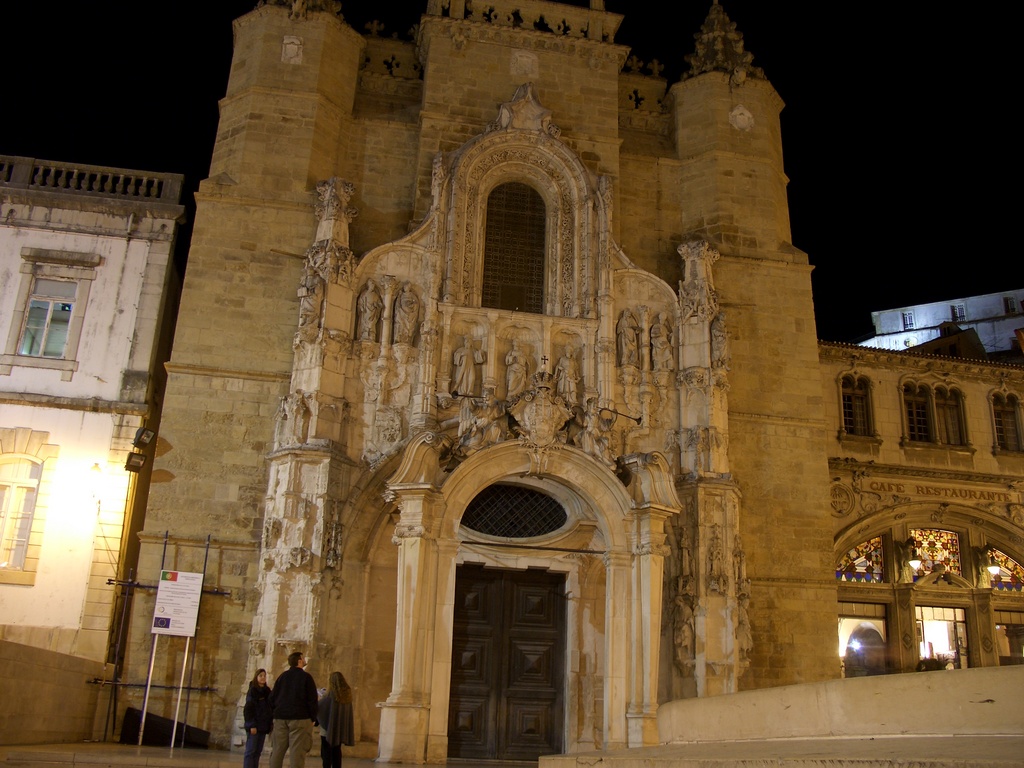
741 118
540 413
698 297
525 113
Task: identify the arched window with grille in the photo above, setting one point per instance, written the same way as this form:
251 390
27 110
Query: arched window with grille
513 512
514 247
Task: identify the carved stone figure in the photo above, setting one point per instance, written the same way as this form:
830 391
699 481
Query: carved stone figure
904 550
311 297
682 634
567 375
661 345
744 636
627 331
516 371
592 438
407 311
369 307
980 559
465 359
719 341
487 424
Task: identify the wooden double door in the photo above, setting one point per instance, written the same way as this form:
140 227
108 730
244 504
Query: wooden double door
508 664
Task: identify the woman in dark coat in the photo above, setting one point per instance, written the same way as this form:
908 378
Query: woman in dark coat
259 719
335 716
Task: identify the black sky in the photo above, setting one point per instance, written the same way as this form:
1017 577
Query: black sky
898 134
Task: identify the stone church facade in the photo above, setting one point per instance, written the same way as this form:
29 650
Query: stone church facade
495 386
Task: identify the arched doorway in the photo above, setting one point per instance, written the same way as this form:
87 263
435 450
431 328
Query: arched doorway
612 608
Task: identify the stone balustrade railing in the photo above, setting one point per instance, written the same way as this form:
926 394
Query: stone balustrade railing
118 183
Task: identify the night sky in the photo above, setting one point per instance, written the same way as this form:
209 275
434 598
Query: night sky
896 132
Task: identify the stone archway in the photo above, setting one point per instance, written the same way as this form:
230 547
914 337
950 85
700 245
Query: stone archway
628 523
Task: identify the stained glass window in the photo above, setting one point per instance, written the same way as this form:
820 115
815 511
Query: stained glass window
935 547
862 563
1011 575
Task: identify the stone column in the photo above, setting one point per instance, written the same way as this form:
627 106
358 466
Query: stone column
982 650
405 714
648 578
618 649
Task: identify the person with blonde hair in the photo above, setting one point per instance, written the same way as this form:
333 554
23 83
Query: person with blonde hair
336 722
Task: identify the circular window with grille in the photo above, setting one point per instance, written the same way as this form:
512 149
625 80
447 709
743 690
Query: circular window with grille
513 512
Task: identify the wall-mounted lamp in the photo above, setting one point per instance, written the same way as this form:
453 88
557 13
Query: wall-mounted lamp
135 462
993 567
915 559
143 437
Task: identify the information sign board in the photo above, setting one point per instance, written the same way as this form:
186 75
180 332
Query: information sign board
177 603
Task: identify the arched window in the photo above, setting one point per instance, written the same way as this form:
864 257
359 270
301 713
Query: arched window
915 406
514 246
19 484
950 415
1006 414
856 397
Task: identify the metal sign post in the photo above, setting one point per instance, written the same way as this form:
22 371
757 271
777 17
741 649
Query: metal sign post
176 613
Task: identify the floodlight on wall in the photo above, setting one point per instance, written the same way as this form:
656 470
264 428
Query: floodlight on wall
143 437
135 462
993 567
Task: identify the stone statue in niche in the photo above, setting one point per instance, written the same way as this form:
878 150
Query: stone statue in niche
683 634
627 331
744 636
720 356
567 374
517 371
311 298
407 311
369 307
465 360
293 419
661 344
717 580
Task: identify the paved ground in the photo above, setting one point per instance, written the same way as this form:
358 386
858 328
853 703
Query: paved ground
882 752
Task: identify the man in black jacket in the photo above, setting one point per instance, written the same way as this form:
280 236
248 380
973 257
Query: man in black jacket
294 701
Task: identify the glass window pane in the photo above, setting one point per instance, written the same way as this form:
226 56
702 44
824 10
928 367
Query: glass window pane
35 327
57 333
942 637
58 289
862 645
17 526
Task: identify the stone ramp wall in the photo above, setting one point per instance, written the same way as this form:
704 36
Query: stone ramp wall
944 702
48 696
